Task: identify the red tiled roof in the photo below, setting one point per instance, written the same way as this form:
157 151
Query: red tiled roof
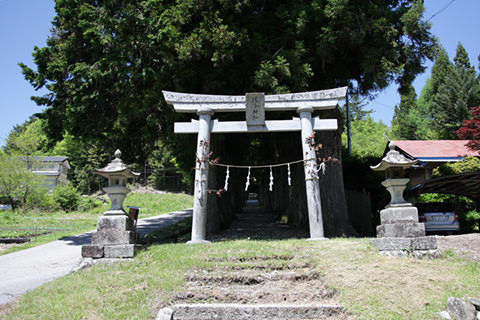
435 148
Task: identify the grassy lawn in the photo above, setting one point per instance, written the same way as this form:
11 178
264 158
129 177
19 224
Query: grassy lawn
50 226
369 285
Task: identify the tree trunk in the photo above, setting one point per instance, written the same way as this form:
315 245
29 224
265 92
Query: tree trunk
332 191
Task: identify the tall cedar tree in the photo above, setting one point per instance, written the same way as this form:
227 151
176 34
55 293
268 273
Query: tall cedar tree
402 125
106 63
459 91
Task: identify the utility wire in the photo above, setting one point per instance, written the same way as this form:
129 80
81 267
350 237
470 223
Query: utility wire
441 10
383 105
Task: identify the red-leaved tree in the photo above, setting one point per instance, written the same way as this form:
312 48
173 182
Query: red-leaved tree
470 130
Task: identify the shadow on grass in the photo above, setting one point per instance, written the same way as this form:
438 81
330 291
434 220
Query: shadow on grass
245 226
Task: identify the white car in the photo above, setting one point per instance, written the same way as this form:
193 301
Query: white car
438 217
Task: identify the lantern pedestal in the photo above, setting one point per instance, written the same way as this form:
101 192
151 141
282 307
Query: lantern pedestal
117 195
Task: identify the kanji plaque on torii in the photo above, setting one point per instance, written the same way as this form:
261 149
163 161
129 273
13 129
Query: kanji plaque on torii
255 109
255 105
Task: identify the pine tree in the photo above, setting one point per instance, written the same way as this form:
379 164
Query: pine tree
440 69
459 91
462 61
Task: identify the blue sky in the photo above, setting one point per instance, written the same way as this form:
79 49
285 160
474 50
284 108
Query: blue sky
26 23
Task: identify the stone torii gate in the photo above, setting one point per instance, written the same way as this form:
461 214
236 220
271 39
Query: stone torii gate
255 105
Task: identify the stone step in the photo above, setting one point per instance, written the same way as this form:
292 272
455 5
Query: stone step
251 312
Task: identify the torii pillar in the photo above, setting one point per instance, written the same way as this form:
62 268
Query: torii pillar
200 195
312 185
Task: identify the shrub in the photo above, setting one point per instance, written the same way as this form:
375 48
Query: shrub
66 196
469 164
469 222
88 203
40 200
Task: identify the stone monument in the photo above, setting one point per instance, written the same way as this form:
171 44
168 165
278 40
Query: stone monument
116 233
400 232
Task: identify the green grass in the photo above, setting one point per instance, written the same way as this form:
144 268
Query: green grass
178 232
61 224
370 286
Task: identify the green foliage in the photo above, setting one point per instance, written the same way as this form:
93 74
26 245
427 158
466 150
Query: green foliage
462 61
17 183
444 102
67 197
436 197
357 106
369 138
105 64
83 158
420 115
41 200
457 93
469 164
27 139
402 126
88 203
470 222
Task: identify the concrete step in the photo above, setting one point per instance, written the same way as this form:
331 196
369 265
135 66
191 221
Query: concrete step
251 312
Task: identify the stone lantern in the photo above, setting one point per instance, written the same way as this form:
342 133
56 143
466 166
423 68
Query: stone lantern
117 174
399 231
116 232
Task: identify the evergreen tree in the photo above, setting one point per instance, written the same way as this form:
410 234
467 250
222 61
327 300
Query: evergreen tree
440 69
356 104
461 60
420 116
402 126
459 92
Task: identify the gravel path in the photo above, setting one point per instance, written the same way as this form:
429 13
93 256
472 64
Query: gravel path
467 245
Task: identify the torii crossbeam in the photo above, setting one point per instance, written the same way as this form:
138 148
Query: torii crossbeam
255 105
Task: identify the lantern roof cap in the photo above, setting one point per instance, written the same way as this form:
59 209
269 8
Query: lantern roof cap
393 159
117 167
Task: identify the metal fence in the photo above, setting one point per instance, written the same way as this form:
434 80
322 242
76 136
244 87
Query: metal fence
163 179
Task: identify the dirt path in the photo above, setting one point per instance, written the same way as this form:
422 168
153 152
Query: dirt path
466 245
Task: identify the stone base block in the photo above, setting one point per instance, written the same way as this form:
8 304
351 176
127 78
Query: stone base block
113 237
406 214
408 244
424 243
249 312
419 254
401 230
414 247
92 251
119 223
389 244
121 251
